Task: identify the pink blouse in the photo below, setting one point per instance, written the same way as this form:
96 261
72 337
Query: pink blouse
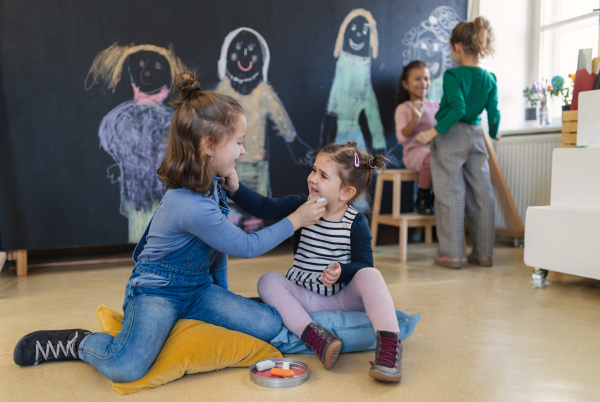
414 152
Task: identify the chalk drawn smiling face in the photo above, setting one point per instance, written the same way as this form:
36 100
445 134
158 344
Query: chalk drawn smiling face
244 57
150 71
357 37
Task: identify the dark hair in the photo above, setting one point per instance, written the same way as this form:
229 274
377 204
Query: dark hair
200 116
402 94
358 177
475 37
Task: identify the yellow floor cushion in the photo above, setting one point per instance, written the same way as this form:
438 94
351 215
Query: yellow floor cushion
192 347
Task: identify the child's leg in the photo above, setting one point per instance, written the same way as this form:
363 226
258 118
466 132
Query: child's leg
448 154
221 307
425 174
424 202
480 200
293 303
368 292
128 356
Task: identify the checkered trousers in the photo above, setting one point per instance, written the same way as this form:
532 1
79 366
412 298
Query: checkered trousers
463 190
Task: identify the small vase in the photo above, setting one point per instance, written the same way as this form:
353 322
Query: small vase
544 116
566 108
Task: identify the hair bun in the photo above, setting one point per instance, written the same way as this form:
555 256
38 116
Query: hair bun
186 84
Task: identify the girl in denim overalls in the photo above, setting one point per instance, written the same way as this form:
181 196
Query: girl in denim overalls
181 260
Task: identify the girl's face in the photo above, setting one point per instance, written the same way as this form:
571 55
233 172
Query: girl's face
226 153
324 180
417 83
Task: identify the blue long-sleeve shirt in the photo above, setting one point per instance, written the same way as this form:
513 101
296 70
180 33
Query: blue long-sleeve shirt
278 208
184 215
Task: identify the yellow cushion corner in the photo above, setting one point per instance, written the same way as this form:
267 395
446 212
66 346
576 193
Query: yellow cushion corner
191 347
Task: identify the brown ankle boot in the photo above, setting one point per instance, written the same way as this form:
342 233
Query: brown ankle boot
323 342
388 357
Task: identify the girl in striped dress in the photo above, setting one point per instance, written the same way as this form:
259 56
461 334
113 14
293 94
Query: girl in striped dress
333 259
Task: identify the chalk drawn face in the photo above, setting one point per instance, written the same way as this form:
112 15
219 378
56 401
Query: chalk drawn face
150 71
428 47
357 38
245 58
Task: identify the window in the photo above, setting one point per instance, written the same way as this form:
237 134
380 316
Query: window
565 26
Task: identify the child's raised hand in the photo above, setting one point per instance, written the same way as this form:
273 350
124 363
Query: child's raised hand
308 213
230 183
417 108
425 137
332 273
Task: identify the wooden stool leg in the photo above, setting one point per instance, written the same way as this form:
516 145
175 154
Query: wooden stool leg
21 262
376 211
428 235
403 241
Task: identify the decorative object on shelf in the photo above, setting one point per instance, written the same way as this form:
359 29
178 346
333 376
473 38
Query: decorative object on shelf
544 111
539 95
568 139
585 76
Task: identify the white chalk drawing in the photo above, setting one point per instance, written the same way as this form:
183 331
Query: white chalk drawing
430 42
243 68
135 133
352 109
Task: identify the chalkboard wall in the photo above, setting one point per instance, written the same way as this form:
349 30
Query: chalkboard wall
54 186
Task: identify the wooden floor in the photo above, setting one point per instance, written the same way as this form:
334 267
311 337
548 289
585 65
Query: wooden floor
485 335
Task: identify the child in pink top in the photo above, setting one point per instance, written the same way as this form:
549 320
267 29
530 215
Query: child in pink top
415 113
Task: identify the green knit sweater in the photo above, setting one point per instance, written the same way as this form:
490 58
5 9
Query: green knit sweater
467 91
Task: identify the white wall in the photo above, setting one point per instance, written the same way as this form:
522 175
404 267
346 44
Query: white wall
511 21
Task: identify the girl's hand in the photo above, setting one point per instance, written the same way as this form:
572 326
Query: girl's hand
425 137
230 183
332 273
307 214
417 108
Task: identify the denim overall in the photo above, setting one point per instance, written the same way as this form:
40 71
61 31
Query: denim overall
180 285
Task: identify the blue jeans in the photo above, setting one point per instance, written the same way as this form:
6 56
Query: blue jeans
160 293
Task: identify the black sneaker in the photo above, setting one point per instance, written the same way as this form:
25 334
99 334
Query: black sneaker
43 346
323 342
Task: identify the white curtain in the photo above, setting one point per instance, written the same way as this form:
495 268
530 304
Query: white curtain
472 9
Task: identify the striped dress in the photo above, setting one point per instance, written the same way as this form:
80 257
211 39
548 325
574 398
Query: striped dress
320 245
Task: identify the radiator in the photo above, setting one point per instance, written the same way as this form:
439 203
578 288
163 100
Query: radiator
526 161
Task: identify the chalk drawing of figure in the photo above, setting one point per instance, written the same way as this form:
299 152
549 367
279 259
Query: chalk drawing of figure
135 133
243 68
430 42
352 109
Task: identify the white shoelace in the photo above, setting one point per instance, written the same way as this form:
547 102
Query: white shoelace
55 352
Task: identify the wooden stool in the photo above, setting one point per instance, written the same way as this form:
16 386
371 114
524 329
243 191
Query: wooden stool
403 221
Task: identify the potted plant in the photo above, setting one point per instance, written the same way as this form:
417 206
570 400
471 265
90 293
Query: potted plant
531 95
561 91
539 94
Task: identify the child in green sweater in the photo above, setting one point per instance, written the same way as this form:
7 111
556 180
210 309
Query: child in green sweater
459 159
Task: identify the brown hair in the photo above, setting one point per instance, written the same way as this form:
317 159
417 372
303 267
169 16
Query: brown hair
345 156
475 37
199 116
